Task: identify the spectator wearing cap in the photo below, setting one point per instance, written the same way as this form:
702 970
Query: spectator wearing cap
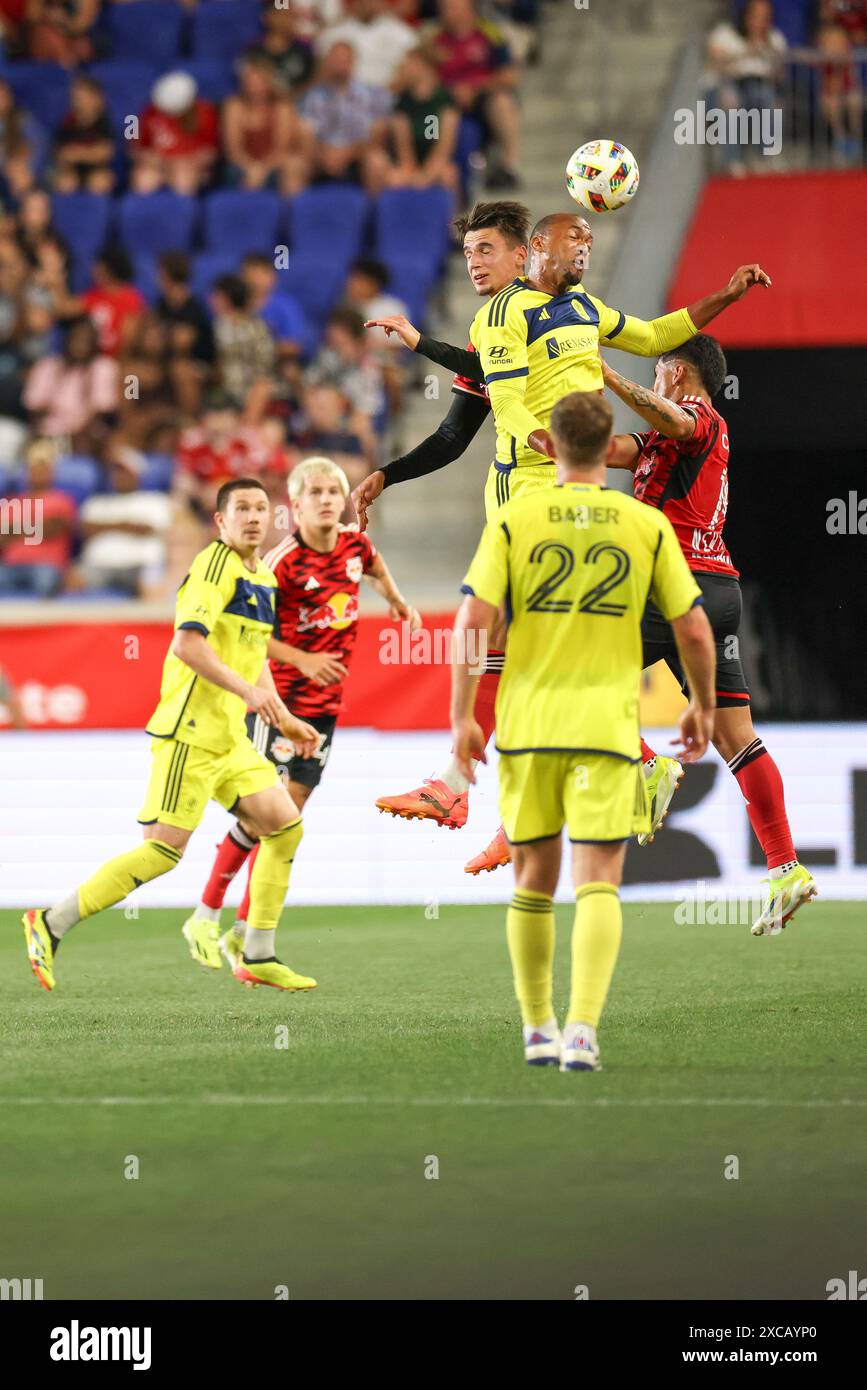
124 530
424 127
475 65
84 144
35 557
265 142
349 121
378 38
178 140
191 338
74 395
245 348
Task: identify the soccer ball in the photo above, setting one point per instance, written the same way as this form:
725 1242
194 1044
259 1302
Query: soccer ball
602 175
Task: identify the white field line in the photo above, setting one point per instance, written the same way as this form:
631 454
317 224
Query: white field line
446 1102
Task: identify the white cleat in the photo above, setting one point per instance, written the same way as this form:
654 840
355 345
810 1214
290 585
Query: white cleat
580 1051
542 1044
785 896
663 776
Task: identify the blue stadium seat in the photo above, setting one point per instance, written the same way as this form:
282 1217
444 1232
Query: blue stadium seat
215 77
145 278
41 88
150 223
331 217
207 268
412 281
316 283
148 30
84 221
416 221
157 476
239 221
223 30
127 87
78 476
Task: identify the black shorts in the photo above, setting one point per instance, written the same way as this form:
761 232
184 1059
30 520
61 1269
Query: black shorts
277 747
723 604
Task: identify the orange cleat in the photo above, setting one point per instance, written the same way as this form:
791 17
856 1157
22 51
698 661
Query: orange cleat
433 800
494 857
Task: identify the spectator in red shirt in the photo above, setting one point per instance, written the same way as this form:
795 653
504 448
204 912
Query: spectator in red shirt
179 137
475 65
112 302
35 552
222 447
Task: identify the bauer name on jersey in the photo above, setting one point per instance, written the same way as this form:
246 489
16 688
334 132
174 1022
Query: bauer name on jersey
234 608
317 610
535 347
575 566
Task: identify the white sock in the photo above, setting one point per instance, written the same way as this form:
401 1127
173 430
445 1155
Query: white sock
454 778
63 915
207 914
783 869
259 944
549 1029
239 928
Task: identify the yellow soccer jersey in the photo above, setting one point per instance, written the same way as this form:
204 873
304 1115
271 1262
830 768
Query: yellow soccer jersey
575 566
536 347
234 607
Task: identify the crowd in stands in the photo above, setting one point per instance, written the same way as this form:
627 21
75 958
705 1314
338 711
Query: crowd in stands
202 202
748 66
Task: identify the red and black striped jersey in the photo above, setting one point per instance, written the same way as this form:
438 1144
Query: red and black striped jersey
688 480
468 386
317 610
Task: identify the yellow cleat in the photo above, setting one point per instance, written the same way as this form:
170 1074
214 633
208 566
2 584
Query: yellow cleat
203 938
270 972
663 777
40 947
785 896
231 947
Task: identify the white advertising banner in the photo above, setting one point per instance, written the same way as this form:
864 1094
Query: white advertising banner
69 801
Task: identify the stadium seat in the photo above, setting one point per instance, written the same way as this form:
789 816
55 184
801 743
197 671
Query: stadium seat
332 215
412 281
316 283
145 277
157 476
215 77
239 222
127 87
223 30
78 476
41 88
149 31
84 221
155 222
207 268
413 221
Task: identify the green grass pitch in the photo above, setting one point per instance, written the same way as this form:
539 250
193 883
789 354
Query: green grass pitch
304 1166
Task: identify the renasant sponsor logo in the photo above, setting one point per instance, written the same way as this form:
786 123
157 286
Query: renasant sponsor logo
77 1343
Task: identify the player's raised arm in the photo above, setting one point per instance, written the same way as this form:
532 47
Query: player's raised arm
746 277
456 359
451 439
665 416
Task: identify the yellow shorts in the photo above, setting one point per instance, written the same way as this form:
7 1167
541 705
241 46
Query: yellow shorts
598 797
184 779
502 484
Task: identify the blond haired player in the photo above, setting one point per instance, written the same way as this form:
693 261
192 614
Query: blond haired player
216 668
318 569
575 563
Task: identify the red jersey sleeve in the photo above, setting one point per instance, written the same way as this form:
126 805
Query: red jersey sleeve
468 385
706 426
369 552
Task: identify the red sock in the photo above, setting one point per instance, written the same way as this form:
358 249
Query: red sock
245 904
230 858
486 696
759 779
646 752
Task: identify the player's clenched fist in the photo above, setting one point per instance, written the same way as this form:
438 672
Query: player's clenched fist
366 494
744 278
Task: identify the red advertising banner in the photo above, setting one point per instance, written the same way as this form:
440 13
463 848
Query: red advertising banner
107 675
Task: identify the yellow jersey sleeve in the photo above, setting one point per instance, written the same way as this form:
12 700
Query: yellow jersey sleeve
206 590
646 338
488 575
499 335
673 587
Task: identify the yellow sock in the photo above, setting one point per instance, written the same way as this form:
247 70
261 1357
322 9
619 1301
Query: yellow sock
270 877
118 877
530 934
595 947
